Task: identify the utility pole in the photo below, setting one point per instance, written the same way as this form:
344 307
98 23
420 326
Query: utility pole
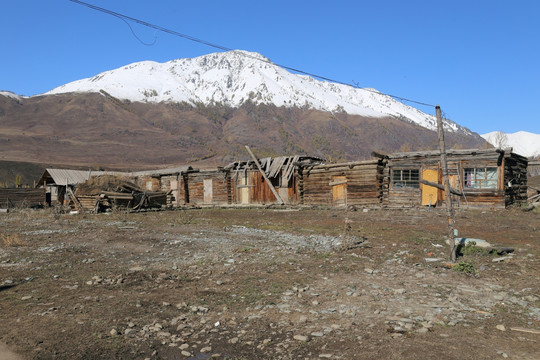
447 194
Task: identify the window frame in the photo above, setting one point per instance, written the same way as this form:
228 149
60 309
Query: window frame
409 178
483 177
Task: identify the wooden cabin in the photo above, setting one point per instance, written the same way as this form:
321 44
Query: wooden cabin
344 184
248 185
493 178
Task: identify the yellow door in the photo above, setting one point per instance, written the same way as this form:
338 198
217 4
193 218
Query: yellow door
429 193
339 190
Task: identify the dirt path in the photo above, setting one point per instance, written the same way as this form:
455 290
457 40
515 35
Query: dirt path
6 354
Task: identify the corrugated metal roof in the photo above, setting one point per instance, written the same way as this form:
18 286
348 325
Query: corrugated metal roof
66 177
73 177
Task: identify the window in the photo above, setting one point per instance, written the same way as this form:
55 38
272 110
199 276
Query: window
406 178
480 178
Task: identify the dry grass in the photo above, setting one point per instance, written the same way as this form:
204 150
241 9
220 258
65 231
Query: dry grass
10 240
97 184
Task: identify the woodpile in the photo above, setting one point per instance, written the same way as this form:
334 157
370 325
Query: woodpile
107 192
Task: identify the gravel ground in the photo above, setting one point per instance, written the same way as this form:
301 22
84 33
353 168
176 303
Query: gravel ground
267 284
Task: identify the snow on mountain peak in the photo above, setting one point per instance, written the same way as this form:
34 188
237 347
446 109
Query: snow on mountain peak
234 77
12 95
522 142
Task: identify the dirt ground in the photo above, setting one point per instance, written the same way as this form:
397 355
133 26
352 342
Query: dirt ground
268 284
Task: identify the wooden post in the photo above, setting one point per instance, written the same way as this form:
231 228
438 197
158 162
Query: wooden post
447 194
278 198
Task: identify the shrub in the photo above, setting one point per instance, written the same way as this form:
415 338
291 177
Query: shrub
471 249
465 267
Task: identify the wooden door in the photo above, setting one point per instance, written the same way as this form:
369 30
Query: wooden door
244 190
175 192
208 191
339 190
430 193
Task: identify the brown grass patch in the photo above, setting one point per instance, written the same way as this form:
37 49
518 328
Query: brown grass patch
10 240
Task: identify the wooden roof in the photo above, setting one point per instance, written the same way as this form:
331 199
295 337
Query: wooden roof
453 152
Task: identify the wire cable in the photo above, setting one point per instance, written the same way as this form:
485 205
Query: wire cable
224 48
136 37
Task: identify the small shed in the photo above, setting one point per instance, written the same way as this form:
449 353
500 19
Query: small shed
493 178
59 182
248 185
341 184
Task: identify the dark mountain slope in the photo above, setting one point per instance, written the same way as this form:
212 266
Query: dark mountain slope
94 129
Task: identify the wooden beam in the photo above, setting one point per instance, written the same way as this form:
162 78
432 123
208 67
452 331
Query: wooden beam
379 155
441 187
278 198
74 198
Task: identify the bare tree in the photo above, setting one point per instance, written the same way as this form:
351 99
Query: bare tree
500 140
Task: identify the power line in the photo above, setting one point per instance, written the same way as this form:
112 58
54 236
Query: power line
224 48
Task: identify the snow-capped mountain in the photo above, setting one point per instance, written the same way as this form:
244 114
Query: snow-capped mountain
233 77
9 94
522 142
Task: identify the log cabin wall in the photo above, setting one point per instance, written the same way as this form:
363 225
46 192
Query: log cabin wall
533 168
481 175
166 181
22 197
148 182
249 187
211 187
515 179
354 183
406 194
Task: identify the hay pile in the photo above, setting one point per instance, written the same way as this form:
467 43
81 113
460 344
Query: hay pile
96 185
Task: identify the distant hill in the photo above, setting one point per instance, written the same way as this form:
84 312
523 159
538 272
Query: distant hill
28 172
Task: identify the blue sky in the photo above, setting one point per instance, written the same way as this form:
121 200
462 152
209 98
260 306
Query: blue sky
480 60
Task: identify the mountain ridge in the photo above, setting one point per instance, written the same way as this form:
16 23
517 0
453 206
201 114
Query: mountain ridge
234 77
